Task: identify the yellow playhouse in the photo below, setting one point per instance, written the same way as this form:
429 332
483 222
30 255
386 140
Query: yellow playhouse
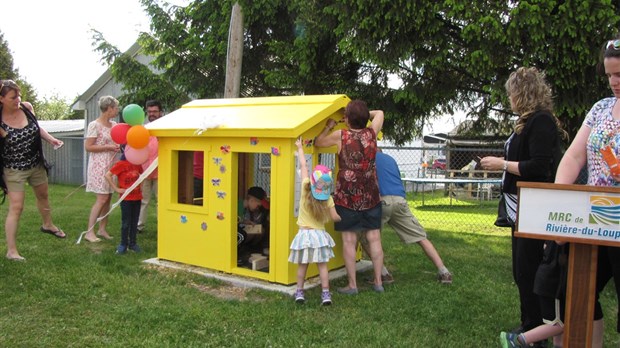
242 143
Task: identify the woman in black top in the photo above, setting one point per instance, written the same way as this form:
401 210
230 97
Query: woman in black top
529 156
21 156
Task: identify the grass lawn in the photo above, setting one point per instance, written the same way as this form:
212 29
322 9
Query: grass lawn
68 295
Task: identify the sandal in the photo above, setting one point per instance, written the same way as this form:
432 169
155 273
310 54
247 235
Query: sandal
58 233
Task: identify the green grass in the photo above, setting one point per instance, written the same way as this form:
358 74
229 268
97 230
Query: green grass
68 295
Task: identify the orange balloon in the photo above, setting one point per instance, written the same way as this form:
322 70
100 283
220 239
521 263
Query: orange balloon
138 137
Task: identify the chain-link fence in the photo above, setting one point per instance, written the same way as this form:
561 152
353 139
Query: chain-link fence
446 187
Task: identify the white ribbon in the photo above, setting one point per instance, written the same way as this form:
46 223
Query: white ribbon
143 176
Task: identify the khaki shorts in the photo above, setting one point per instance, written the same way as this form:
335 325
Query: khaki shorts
396 213
16 179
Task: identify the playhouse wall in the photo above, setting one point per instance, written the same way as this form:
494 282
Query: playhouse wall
205 236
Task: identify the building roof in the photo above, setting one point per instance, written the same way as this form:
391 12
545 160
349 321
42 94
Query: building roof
288 116
80 103
62 126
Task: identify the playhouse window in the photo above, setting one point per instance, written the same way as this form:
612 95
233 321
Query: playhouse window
189 185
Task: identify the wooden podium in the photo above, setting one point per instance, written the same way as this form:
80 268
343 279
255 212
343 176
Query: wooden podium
585 216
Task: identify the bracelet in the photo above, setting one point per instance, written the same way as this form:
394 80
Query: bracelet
505 168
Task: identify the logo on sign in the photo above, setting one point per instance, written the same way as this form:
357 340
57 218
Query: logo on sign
604 210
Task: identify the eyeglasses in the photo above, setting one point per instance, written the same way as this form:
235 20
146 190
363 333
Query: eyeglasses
615 44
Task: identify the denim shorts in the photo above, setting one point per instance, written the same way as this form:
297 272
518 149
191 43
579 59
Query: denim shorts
358 220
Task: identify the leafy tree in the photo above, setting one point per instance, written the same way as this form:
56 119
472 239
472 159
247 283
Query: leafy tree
457 54
55 108
8 72
448 55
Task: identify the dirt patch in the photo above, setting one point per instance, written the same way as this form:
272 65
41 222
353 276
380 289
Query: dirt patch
224 292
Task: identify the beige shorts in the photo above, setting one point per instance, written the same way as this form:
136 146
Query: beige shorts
16 179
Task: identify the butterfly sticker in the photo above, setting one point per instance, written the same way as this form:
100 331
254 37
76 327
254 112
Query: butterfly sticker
308 142
203 226
222 169
183 219
253 140
275 151
221 194
215 182
220 215
225 149
217 160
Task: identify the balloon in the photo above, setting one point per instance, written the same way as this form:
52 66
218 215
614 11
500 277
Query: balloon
136 156
119 133
133 114
138 137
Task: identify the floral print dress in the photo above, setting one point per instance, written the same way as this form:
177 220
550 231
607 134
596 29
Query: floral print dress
99 163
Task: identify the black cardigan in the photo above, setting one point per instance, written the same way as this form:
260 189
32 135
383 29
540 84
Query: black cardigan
536 150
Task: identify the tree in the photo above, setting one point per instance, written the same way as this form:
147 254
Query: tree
448 54
457 54
55 108
8 72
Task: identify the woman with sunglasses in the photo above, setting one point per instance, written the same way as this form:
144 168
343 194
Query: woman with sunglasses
21 155
601 128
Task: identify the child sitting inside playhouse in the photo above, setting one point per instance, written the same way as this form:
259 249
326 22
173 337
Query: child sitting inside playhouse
253 228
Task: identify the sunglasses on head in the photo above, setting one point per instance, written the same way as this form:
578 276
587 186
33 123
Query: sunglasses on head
8 83
615 44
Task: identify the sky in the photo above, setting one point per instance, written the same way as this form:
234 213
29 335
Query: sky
51 42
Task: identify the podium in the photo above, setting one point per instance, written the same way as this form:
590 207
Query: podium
586 217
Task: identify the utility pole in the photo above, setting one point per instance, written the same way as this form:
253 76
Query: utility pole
234 54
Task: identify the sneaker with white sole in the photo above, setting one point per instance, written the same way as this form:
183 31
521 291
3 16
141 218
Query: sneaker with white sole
299 296
326 298
444 278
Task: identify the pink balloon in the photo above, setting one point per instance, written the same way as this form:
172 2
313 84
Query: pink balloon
136 156
118 132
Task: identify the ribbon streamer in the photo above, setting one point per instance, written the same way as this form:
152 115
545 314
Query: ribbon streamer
141 178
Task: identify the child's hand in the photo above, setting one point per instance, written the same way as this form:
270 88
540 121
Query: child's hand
121 190
299 142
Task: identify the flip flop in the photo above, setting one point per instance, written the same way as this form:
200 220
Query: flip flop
58 234
101 236
16 258
96 240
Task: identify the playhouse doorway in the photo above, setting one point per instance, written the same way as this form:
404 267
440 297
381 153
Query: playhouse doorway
253 211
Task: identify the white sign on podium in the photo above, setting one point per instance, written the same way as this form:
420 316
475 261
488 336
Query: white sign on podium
578 215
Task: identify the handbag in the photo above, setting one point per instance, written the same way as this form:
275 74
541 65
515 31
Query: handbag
502 216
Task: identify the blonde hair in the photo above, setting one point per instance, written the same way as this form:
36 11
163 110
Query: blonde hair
106 102
529 92
318 209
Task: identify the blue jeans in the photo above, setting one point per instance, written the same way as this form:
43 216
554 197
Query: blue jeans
130 213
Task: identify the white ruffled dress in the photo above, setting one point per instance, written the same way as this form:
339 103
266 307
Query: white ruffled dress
311 246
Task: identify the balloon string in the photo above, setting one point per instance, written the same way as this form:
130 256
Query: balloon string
141 178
